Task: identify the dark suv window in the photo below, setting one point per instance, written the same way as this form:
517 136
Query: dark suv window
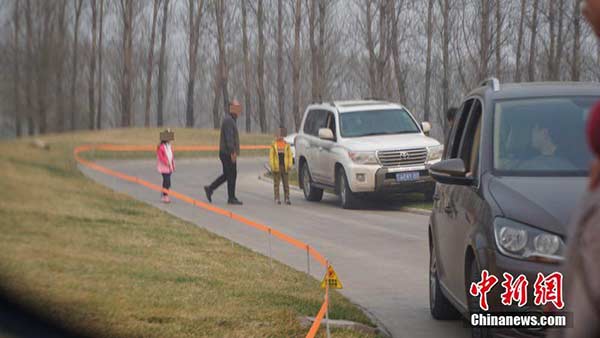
315 120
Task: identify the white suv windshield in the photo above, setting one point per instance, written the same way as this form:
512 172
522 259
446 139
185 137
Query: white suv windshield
377 122
542 136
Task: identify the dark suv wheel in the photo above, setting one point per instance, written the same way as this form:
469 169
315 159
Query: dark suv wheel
348 199
310 192
439 305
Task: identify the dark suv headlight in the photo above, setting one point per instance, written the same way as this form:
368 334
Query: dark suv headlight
522 241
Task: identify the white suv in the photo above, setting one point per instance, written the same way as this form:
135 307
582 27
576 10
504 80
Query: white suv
361 147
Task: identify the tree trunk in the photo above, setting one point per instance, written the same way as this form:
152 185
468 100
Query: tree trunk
28 70
92 78
247 98
296 65
217 97
150 65
552 38
223 67
194 19
321 50
261 69
78 4
371 48
43 64
534 24
59 67
162 65
428 62
16 65
313 50
101 33
559 41
445 58
498 40
484 46
127 76
280 85
575 65
400 78
520 42
382 57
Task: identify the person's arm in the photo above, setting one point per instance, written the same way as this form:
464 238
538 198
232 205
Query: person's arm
272 156
288 154
172 158
228 131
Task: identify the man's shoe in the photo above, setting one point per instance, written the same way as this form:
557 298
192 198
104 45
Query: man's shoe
287 201
208 193
277 201
235 202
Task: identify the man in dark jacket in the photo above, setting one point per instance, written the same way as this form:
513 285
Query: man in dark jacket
229 149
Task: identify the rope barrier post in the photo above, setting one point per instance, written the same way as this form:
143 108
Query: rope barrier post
308 260
270 256
327 310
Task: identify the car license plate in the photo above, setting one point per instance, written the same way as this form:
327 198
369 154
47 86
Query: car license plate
407 176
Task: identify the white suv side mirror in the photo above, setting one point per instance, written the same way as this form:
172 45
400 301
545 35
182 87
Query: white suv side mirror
326 134
426 127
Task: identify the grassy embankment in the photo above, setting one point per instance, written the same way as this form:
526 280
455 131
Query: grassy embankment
101 262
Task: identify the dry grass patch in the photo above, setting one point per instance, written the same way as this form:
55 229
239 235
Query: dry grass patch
100 262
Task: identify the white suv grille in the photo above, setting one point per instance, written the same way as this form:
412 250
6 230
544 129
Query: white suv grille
396 158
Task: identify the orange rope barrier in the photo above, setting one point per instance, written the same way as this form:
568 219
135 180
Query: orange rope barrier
203 205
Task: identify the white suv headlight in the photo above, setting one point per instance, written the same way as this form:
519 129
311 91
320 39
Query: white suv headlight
434 153
363 157
521 241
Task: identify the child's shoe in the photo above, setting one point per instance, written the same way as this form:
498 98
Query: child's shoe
287 201
277 201
167 199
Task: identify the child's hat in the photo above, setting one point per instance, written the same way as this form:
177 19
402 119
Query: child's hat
167 135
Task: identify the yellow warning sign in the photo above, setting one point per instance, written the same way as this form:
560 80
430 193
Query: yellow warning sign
331 278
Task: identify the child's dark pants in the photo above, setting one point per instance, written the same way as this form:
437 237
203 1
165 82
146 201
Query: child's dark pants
166 182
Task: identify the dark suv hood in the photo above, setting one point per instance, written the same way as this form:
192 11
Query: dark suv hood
543 202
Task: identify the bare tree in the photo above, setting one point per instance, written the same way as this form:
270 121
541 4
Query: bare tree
162 65
575 63
280 85
261 68
78 5
59 65
484 35
100 74
559 42
428 62
296 64
534 27
28 69
498 49
445 6
127 76
394 37
42 69
92 78
220 12
247 98
17 70
321 50
194 19
370 47
520 42
383 56
314 58
150 64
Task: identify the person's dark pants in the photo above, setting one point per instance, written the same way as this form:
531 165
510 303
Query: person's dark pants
229 175
166 182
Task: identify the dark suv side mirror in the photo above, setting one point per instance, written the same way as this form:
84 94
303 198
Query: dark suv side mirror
451 171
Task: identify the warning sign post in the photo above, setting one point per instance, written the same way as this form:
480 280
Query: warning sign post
331 279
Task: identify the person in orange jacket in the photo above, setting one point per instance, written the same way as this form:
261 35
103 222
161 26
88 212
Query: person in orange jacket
281 161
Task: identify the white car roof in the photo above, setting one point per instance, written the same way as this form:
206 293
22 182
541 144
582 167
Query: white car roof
358 105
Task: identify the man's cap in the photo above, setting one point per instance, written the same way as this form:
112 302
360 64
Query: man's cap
593 129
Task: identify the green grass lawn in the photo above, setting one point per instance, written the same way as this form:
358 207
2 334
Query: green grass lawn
99 261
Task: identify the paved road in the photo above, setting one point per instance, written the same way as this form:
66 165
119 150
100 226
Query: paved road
380 254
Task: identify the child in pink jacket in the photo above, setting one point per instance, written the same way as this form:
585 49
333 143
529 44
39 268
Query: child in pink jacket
165 164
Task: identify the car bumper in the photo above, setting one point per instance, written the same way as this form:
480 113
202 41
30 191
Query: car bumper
376 179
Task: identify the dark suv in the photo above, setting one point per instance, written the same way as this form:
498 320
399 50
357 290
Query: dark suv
513 170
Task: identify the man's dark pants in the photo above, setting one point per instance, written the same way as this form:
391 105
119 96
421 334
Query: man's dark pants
229 175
